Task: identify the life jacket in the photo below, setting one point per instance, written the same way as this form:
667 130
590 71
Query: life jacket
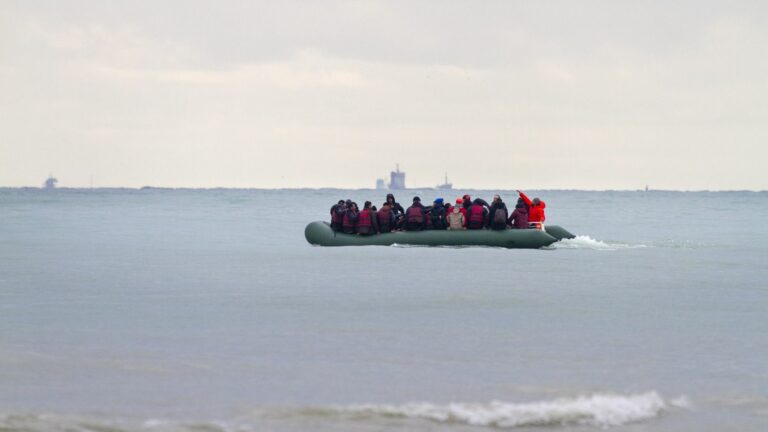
414 215
350 220
476 216
337 215
385 218
364 220
536 212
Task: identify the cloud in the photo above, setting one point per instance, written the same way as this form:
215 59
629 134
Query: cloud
248 92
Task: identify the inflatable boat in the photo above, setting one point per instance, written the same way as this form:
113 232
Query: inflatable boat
321 234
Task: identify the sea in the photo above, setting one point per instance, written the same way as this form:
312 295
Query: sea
161 310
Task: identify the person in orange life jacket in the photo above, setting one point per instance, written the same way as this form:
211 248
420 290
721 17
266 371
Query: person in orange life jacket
437 215
477 215
456 217
497 215
415 217
535 208
337 214
349 223
367 222
519 217
386 218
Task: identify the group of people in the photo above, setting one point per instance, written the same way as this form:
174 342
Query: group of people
465 214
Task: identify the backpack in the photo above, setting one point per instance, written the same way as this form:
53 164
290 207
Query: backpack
500 217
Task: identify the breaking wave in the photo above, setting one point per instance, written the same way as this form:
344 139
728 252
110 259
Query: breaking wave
601 410
598 410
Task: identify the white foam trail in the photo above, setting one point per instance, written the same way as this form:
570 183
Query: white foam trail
602 410
587 242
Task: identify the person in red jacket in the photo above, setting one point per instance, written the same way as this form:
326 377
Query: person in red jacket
367 222
535 208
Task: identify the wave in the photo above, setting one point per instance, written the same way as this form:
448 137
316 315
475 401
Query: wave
601 410
597 410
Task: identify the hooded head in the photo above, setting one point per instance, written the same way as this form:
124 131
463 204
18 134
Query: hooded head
496 197
341 202
439 201
459 201
467 197
416 199
390 198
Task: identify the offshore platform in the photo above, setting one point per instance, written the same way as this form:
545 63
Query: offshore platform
397 178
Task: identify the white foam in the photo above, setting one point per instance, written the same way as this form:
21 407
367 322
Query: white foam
587 242
602 410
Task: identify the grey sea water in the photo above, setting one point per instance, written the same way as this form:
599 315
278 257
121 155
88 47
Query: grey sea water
165 310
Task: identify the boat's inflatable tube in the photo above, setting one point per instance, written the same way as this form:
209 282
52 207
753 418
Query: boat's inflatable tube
558 232
320 233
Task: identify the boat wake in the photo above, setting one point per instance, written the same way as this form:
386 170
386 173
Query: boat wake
587 242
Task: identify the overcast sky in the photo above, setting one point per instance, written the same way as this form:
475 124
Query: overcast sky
508 94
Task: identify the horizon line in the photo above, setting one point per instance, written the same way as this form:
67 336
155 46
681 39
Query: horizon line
370 189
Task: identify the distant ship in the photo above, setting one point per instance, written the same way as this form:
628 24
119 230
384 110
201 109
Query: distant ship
396 179
380 184
50 182
445 185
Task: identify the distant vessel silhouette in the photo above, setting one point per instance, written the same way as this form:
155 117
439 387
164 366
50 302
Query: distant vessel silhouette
445 185
397 178
50 182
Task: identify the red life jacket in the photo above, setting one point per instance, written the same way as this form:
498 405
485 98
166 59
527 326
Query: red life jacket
384 216
476 215
414 215
536 213
365 219
350 219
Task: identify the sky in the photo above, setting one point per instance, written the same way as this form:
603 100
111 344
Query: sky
498 94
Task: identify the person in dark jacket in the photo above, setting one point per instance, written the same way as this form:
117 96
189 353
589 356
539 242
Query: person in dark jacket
519 217
497 214
437 215
467 202
397 210
337 215
349 223
415 216
386 218
367 222
477 215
